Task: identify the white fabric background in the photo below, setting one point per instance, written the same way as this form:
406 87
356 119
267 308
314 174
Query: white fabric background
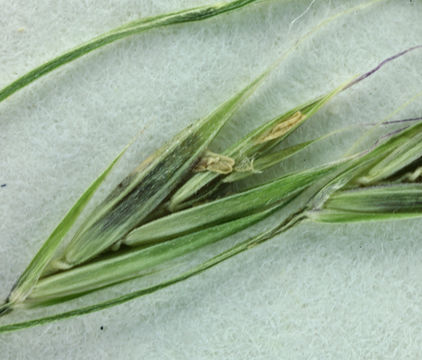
317 292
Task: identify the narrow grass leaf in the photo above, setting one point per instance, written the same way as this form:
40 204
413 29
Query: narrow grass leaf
132 28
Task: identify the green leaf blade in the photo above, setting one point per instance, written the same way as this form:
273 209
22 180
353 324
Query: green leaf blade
132 28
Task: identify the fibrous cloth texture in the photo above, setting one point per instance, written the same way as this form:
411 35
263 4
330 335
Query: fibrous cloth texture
315 292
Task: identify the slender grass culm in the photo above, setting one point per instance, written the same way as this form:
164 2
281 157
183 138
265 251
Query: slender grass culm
181 198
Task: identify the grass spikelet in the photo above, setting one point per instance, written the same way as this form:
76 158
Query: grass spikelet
145 189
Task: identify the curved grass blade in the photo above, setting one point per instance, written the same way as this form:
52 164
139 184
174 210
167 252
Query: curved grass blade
132 28
38 264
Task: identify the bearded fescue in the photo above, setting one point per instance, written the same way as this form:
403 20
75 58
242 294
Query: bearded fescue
177 201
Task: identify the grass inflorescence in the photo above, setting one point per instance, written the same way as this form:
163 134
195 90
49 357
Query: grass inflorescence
177 201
